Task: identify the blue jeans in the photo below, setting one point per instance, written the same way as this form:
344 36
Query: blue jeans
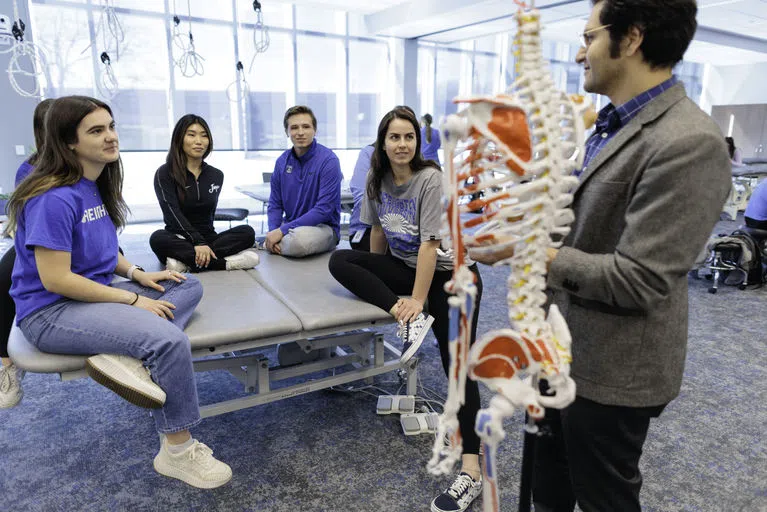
86 328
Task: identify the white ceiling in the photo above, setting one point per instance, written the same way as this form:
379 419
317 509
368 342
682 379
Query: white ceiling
730 31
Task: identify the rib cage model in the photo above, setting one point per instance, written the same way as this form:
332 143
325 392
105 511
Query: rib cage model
519 150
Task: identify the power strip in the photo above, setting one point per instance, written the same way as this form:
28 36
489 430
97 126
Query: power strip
419 423
395 404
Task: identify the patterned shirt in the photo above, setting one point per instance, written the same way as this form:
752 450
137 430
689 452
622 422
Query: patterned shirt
610 120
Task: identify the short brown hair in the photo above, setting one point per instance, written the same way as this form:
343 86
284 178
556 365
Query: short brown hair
298 109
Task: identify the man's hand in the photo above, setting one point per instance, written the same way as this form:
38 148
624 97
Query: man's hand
203 255
273 239
490 258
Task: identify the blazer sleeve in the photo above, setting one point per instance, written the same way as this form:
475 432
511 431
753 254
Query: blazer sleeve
175 220
670 215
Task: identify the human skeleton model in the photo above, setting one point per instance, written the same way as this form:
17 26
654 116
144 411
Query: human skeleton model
520 149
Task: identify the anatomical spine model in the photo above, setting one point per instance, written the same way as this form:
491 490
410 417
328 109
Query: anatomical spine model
519 150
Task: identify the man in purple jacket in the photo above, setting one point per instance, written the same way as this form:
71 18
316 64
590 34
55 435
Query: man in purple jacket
305 203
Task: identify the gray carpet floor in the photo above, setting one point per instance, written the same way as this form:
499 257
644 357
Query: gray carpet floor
72 446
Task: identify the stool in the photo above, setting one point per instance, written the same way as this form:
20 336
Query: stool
230 214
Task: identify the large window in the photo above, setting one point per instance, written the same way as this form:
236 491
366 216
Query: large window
316 56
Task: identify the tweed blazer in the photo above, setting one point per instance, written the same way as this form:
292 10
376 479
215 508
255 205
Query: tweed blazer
644 208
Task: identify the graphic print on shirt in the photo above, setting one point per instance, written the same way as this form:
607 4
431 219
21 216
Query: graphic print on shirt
398 220
95 213
213 188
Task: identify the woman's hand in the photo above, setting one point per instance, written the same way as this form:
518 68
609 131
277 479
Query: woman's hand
152 279
161 308
203 255
408 309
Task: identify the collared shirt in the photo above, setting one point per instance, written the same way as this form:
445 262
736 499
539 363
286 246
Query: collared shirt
611 119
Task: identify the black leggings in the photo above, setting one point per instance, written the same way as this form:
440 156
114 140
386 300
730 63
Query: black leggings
7 306
166 244
379 279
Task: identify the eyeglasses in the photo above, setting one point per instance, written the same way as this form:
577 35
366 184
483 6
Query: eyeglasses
586 37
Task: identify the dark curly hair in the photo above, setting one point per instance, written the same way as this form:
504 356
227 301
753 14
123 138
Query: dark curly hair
668 27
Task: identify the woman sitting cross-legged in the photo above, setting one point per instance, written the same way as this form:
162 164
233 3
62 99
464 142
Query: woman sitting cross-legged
403 204
188 189
65 216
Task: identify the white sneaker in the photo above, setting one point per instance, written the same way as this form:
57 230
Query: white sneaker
458 496
10 386
243 260
174 264
412 335
195 465
128 378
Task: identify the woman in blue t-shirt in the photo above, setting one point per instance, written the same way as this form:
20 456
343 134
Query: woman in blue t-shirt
11 392
187 189
65 216
403 204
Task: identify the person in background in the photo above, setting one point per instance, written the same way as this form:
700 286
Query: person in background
188 189
11 391
430 139
735 156
359 232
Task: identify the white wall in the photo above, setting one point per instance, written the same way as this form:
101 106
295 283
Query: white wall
734 85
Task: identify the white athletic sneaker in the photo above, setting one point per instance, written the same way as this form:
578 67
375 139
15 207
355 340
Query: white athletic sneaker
174 264
243 260
128 378
458 496
10 386
195 465
412 335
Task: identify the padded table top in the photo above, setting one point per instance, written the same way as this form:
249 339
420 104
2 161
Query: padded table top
312 294
280 296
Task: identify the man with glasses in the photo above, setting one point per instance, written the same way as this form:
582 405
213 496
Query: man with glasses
655 176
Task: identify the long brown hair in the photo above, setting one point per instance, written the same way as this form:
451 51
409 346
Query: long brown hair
38 124
379 162
58 166
427 120
176 158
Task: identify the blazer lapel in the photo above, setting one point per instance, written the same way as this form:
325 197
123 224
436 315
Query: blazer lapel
649 113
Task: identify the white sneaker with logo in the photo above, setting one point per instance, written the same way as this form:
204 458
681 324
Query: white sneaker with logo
10 386
175 265
128 378
458 496
196 465
243 260
412 335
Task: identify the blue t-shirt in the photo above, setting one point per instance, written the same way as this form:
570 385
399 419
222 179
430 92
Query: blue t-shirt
757 205
429 149
71 219
357 186
23 171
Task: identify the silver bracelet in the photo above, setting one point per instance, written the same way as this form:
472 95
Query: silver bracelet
132 269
